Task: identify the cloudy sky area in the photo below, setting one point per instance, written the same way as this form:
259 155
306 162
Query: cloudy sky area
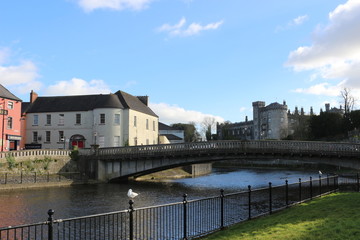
194 58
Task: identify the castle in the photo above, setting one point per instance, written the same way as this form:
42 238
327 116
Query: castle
274 121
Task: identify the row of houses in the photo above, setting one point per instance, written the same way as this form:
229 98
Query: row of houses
62 122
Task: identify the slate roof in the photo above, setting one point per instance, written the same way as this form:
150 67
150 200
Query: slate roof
119 100
164 127
74 103
5 93
134 103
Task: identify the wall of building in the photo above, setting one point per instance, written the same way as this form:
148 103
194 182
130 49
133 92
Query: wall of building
141 133
10 136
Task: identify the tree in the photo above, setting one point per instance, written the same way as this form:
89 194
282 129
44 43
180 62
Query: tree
326 126
190 132
207 125
349 102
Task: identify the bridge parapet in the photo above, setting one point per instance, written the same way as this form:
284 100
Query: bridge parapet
265 147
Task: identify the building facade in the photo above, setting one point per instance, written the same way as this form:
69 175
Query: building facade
104 120
168 134
10 117
273 121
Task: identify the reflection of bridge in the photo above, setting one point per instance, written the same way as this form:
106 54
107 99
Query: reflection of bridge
111 163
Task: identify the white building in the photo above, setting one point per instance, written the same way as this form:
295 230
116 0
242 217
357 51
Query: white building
169 134
107 120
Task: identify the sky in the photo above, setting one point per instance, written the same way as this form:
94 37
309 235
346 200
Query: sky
195 59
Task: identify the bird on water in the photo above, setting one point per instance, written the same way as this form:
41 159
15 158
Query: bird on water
132 194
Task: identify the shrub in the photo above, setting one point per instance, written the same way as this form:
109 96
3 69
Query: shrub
11 161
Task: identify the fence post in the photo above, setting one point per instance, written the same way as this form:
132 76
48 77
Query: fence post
320 184
21 176
299 189
249 188
311 194
131 220
50 224
222 208
48 177
328 182
270 198
185 215
5 178
287 192
358 183
34 177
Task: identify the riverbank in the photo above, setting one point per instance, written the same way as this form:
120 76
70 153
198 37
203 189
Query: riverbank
331 217
10 187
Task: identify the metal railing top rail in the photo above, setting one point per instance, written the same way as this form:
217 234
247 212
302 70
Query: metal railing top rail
242 146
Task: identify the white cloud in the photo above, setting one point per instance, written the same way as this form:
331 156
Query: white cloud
293 23
90 5
322 89
77 86
335 51
299 20
20 77
180 29
173 114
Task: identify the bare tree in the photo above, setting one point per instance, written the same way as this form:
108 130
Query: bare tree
348 100
207 125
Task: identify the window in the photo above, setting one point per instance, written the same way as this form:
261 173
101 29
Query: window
135 122
102 118
117 119
282 119
10 105
47 136
147 141
78 118
147 124
153 125
48 119
35 136
36 120
61 136
61 119
9 123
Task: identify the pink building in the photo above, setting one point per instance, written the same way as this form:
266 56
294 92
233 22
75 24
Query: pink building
10 121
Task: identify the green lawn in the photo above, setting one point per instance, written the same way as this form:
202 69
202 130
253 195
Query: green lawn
336 216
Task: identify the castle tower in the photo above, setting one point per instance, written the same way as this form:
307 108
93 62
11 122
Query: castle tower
257 107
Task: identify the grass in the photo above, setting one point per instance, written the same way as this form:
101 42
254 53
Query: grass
336 216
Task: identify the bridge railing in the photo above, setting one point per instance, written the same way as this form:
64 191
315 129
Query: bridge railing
183 220
268 147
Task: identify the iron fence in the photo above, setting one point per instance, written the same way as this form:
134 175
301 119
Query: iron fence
183 220
34 177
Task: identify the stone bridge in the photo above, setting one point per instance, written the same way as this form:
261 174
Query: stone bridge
108 164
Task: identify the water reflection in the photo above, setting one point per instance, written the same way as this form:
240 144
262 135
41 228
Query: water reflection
28 206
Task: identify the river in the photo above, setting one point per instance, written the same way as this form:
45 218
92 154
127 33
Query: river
31 205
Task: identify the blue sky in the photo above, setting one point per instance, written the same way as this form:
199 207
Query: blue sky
193 58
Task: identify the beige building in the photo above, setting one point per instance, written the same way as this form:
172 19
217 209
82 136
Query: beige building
106 120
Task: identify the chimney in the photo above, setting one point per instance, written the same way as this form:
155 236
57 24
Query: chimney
33 96
144 99
311 111
246 118
302 112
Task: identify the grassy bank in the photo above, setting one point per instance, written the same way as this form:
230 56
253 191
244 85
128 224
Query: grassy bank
336 216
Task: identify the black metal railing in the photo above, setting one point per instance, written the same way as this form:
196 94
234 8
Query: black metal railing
184 220
34 177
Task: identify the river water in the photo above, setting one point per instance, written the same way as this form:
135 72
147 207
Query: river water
31 205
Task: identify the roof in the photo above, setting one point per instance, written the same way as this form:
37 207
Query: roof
120 100
134 103
276 105
74 103
5 93
172 137
163 126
